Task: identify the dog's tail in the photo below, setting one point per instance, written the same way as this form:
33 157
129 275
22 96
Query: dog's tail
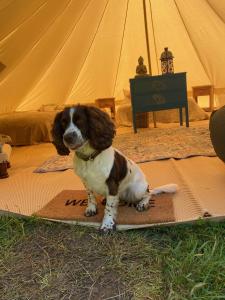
167 188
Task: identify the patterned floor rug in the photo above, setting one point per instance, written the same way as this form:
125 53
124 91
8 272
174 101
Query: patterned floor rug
150 144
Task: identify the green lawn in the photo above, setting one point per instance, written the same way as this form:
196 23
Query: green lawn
44 260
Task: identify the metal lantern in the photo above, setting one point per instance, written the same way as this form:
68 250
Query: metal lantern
167 61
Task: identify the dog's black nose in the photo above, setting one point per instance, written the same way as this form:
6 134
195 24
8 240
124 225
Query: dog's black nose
70 137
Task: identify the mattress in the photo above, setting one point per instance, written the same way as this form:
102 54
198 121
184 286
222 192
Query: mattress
27 128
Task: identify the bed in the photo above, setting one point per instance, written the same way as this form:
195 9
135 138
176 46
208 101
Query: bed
31 127
27 128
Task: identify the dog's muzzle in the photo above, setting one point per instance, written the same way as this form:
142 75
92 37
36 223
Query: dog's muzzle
72 140
70 137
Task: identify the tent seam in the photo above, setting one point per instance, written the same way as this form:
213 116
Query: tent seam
23 21
22 103
193 44
121 47
36 42
213 9
88 52
154 39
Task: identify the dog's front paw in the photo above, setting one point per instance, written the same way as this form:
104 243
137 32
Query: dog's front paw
142 206
91 210
108 225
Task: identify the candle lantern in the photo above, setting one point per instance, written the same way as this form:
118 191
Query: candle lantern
167 61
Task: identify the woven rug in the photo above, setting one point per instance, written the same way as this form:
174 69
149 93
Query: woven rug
70 205
148 145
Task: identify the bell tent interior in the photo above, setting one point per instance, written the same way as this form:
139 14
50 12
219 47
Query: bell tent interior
54 54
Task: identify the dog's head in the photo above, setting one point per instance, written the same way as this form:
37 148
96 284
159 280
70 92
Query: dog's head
76 125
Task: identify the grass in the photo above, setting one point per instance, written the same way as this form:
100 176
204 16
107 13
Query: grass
44 260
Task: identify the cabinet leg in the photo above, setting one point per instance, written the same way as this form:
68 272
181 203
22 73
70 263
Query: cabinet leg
187 116
181 116
134 123
154 119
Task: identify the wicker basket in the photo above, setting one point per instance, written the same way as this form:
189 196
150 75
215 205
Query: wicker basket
142 120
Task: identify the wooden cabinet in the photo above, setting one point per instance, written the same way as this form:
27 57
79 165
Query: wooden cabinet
162 92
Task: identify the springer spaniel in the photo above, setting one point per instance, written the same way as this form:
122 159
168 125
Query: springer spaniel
89 132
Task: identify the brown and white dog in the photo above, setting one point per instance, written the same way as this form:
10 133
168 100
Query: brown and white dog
89 132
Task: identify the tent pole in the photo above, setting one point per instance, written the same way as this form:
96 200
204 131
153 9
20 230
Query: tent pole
148 51
147 39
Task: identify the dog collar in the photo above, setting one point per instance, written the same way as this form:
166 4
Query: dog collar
88 157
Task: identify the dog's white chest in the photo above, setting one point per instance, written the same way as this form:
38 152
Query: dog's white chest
95 173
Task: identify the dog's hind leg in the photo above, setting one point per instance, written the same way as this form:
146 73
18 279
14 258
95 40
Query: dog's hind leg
145 202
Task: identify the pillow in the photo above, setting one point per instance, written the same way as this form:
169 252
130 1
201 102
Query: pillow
126 93
6 149
60 107
48 107
5 139
196 113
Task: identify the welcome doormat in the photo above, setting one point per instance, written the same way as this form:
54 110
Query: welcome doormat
148 145
70 205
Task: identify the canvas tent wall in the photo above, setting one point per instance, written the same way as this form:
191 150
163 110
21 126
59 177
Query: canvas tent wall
69 51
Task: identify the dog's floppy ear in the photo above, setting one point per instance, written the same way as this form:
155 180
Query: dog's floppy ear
101 130
57 135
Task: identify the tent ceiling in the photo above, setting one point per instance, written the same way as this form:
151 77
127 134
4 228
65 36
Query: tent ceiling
77 50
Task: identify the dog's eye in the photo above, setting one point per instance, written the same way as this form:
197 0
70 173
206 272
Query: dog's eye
76 119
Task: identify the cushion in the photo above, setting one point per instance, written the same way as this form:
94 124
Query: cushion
48 107
5 139
3 157
126 93
5 151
